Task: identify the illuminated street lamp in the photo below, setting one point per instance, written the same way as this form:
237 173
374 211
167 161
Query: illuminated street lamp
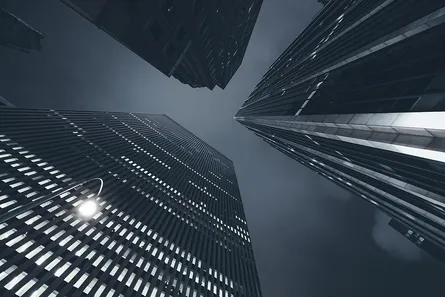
87 208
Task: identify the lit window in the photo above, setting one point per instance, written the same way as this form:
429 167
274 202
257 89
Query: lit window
90 231
110 246
26 287
15 280
39 291
130 279
81 251
6 204
98 260
96 237
81 280
90 255
106 265
114 270
90 286
57 235
49 230
75 222
21 216
62 269
74 245
43 258
42 224
72 274
53 263
15 240
25 246
122 275
65 240
34 252
104 240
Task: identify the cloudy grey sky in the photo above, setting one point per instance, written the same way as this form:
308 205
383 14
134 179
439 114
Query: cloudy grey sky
311 239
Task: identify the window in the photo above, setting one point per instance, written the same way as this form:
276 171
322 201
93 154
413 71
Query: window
73 273
114 270
62 269
34 252
15 280
65 240
26 287
25 246
81 280
15 240
74 245
53 263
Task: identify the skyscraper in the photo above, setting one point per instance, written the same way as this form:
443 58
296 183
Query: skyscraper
359 97
16 34
199 42
123 204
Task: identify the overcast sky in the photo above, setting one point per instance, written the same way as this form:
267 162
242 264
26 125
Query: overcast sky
311 239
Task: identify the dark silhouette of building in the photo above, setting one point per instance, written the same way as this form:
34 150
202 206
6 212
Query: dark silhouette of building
199 42
167 218
16 34
428 246
359 97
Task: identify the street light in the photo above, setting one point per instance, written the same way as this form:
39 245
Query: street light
87 208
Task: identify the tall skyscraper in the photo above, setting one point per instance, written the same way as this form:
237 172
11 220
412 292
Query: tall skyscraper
359 97
199 42
16 34
413 236
123 204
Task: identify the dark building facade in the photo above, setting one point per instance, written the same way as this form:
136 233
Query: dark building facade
169 218
199 42
359 97
428 246
16 34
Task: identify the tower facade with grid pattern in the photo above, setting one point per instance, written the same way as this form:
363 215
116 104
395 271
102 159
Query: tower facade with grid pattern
199 42
170 220
359 97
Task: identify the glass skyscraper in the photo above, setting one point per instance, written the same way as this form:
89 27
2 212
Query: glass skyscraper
199 42
359 97
117 204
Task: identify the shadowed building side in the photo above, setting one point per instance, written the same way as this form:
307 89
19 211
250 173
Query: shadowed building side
199 42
